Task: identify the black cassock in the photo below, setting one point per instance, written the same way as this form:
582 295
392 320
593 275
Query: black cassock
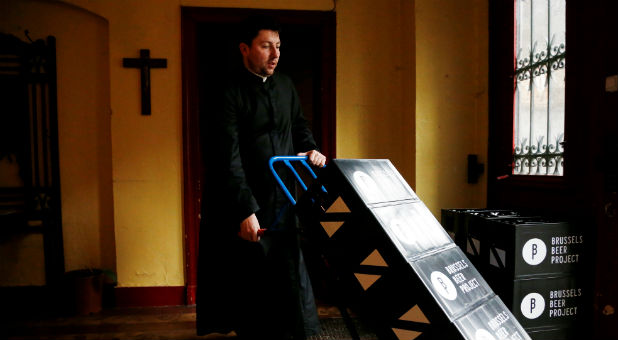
259 289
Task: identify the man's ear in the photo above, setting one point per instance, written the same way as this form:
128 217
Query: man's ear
244 48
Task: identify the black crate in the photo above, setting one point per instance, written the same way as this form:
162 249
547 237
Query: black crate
468 227
396 263
520 255
543 302
529 246
453 221
478 238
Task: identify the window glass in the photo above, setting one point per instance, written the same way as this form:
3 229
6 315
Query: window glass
539 95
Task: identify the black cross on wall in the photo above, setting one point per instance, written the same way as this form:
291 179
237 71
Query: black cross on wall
144 63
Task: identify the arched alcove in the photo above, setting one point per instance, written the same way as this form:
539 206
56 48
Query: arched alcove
84 139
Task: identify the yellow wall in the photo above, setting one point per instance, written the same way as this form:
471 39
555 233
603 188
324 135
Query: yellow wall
375 82
147 150
84 138
378 92
451 101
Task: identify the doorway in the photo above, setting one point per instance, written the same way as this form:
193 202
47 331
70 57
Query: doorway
209 53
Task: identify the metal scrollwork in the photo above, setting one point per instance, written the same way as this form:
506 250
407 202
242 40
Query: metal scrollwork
540 158
557 50
543 62
557 64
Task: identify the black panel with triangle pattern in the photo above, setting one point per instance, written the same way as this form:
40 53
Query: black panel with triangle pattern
396 264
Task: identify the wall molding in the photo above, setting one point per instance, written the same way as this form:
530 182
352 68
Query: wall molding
150 296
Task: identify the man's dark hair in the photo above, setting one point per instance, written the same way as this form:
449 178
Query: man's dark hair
251 26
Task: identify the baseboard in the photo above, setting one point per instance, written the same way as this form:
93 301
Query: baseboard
44 300
150 296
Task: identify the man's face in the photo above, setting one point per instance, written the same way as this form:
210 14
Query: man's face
263 54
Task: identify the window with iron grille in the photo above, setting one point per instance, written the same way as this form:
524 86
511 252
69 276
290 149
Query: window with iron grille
538 122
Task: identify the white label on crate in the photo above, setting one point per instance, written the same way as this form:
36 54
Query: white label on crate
443 285
532 305
482 334
534 251
561 253
368 186
562 302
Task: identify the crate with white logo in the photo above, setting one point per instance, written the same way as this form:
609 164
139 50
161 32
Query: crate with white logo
393 261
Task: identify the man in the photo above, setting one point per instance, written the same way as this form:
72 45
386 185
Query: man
257 286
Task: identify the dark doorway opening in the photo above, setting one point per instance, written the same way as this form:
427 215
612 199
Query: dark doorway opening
209 53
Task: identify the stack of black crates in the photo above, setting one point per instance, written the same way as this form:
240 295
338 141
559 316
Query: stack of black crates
535 264
393 263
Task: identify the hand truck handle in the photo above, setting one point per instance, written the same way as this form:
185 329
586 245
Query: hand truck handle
287 161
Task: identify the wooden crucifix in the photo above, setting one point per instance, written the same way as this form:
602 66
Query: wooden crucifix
144 63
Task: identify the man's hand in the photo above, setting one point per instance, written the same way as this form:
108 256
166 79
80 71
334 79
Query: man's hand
248 229
314 157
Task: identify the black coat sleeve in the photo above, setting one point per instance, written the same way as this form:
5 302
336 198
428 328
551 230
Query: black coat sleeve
237 193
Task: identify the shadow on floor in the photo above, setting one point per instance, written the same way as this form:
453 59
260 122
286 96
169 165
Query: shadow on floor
175 322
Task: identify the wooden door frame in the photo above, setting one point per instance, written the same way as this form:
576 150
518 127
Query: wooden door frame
191 17
504 188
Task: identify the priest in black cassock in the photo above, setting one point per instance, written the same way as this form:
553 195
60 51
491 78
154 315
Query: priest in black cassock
256 286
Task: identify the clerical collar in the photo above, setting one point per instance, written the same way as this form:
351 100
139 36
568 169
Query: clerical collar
257 75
